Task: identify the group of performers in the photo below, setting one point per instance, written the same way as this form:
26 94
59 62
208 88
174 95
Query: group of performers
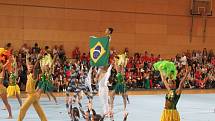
83 86
102 77
8 63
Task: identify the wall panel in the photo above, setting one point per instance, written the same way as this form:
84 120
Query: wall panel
159 26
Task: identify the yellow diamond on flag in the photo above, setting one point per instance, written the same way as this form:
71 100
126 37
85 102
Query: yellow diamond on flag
97 52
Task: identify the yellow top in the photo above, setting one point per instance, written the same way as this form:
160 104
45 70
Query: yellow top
31 83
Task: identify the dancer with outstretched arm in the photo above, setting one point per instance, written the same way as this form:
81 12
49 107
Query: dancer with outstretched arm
33 95
168 74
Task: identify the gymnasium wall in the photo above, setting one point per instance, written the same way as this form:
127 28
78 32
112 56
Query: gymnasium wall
159 26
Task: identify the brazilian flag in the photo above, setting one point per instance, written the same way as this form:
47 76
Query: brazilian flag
99 51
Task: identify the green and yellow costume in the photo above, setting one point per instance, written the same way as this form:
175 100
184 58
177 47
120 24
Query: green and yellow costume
13 88
170 112
120 86
45 83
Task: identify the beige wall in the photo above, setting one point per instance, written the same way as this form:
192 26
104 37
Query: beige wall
159 26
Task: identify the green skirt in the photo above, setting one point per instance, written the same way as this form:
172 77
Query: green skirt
46 86
120 88
147 84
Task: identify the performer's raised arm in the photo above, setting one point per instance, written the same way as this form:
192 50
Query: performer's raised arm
163 78
53 64
4 66
27 58
35 66
183 79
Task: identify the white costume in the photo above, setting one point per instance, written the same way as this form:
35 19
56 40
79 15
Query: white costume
88 80
103 90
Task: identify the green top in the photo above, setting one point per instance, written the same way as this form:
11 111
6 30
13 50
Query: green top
120 78
46 77
45 84
171 99
13 78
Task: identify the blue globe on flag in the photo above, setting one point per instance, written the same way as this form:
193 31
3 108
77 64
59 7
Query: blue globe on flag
97 52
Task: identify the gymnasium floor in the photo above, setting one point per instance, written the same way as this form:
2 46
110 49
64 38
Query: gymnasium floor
195 107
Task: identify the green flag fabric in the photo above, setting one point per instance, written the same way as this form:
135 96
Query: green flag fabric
99 51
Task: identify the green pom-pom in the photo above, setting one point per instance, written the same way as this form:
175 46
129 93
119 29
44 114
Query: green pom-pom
166 67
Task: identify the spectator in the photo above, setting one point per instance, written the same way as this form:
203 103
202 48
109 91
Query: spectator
36 49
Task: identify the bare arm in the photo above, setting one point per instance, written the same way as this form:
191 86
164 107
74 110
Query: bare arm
27 58
163 78
8 61
183 80
4 66
35 66
52 65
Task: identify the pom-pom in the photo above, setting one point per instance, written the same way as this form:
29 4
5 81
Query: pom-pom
167 68
46 61
122 60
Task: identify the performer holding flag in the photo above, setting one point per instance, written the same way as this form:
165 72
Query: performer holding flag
99 57
168 74
100 49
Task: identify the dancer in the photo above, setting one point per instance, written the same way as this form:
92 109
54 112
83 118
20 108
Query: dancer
78 87
13 88
120 86
3 91
47 66
33 95
168 75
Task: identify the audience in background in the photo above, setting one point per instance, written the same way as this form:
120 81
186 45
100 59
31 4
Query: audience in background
139 72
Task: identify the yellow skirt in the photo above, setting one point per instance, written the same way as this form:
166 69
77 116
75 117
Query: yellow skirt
170 115
2 90
13 90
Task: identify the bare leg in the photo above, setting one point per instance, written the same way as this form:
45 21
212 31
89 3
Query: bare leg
19 99
52 95
5 101
112 96
48 96
125 96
